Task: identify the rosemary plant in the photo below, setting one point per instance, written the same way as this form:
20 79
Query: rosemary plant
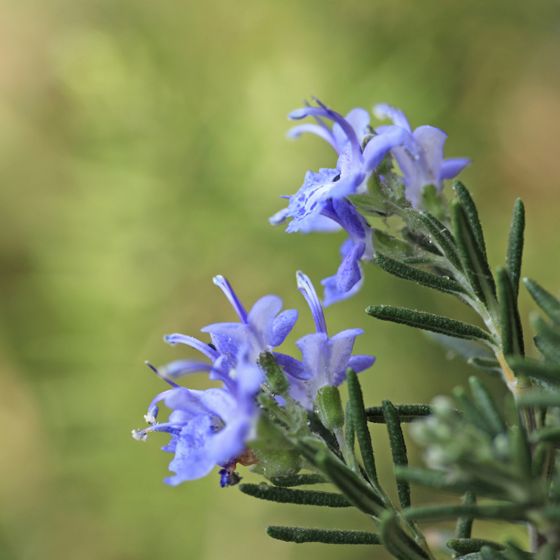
284 417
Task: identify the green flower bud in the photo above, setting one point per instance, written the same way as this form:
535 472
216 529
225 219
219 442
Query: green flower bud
329 407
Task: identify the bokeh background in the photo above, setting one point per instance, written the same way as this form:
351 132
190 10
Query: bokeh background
142 148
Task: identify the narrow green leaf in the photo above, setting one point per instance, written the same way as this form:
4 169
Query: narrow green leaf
470 411
486 364
547 339
490 553
544 299
547 434
407 272
397 542
468 545
510 323
359 421
515 245
326 536
539 399
541 455
487 406
463 528
438 234
534 368
520 449
431 479
421 241
471 213
297 480
548 349
505 511
300 497
354 488
398 449
428 322
406 412
473 259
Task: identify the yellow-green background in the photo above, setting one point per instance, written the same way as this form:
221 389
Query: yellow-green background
142 149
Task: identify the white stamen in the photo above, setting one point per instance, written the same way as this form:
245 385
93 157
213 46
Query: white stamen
140 435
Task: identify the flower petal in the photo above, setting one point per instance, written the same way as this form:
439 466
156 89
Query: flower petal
452 167
349 272
225 286
305 286
377 148
361 362
385 111
261 316
431 141
291 366
322 132
282 326
332 293
191 459
202 347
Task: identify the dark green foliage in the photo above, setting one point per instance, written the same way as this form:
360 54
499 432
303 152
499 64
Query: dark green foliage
515 245
510 323
472 256
471 212
407 272
467 545
428 321
438 234
359 422
297 480
354 487
544 299
486 406
498 454
398 449
505 511
288 496
326 536
397 542
534 368
406 412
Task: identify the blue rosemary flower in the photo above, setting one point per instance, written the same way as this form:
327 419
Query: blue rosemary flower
420 155
321 205
324 359
260 330
354 164
263 328
212 427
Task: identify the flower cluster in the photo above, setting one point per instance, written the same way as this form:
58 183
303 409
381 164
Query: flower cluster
322 203
214 427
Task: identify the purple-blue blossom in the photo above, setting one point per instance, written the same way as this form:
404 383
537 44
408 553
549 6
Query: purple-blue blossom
212 427
420 155
264 327
325 359
321 203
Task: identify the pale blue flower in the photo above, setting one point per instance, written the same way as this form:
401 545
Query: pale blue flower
420 155
325 359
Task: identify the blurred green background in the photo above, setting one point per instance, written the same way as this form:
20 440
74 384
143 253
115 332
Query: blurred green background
142 148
